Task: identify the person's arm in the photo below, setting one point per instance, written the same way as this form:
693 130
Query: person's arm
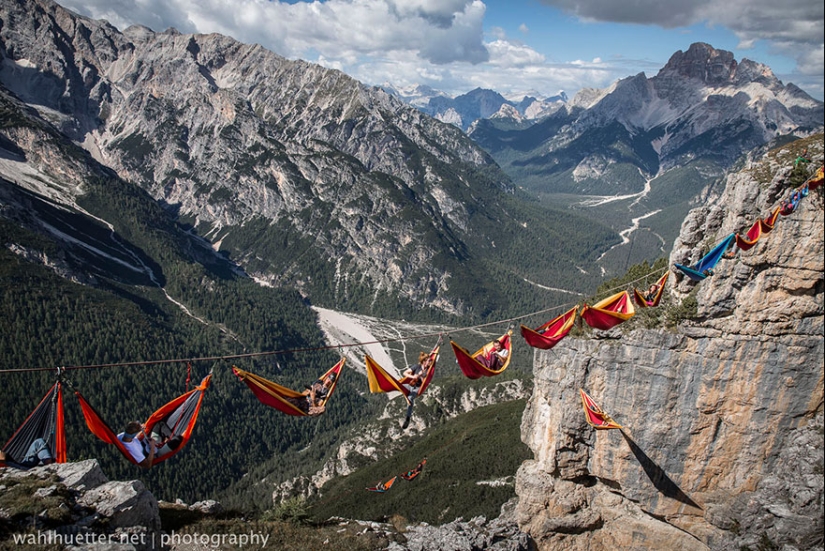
147 461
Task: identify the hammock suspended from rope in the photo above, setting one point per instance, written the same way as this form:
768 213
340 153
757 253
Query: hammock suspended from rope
816 179
645 301
759 228
609 312
596 418
548 335
409 475
179 415
381 381
475 365
383 486
46 422
704 267
282 398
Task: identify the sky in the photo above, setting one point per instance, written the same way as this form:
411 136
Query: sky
510 46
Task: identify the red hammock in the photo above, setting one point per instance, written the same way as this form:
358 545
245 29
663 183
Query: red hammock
409 475
609 312
643 301
761 226
46 421
474 369
381 381
596 418
281 397
548 335
180 414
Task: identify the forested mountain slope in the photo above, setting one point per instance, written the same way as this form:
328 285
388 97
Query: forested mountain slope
303 176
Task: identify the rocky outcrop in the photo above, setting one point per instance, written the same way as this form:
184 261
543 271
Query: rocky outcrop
722 446
76 504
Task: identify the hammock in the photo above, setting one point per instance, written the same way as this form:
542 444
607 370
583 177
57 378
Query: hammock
596 418
180 415
381 381
282 398
816 179
409 475
472 367
609 312
760 227
46 422
643 301
703 268
789 206
384 486
769 222
548 335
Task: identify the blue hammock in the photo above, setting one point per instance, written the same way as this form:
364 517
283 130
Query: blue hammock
702 269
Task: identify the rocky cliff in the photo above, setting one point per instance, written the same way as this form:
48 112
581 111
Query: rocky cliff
722 446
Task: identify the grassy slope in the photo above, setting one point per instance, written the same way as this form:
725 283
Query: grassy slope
460 454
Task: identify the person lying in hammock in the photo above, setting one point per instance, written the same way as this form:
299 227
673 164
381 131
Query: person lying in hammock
37 454
496 358
146 450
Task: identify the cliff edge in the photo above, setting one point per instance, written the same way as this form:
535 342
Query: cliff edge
722 446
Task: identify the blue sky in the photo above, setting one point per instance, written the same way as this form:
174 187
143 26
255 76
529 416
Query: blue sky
511 46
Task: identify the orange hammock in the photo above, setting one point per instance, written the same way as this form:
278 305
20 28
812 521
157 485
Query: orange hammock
596 418
650 302
384 486
409 475
282 398
760 227
46 421
381 381
471 365
548 335
609 312
180 415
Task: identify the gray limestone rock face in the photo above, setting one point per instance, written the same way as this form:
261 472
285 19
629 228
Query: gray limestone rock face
722 445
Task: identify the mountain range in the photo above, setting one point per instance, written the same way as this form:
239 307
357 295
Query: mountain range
638 154
299 175
465 110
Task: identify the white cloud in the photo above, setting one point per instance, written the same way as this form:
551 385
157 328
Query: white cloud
510 54
442 42
439 31
795 29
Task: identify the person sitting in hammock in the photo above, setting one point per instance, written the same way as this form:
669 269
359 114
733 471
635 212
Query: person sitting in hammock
318 392
650 295
312 399
129 437
496 357
416 374
37 454
145 451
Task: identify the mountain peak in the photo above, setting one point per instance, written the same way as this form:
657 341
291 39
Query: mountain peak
716 68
